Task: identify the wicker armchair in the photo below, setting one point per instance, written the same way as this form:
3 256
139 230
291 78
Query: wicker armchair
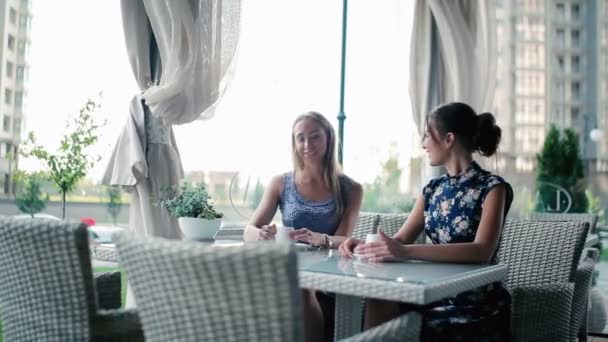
390 223
542 257
48 293
191 292
585 271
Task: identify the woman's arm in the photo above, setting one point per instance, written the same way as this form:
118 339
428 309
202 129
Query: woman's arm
479 251
345 227
414 225
349 216
257 227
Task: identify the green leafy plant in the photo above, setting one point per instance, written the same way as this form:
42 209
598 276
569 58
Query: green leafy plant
189 201
560 163
29 198
71 161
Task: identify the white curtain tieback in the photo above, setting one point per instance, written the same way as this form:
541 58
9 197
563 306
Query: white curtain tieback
156 132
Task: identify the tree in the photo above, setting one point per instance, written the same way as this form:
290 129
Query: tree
114 202
71 161
258 192
560 163
384 195
29 198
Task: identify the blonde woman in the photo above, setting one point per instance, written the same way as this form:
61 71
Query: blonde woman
316 198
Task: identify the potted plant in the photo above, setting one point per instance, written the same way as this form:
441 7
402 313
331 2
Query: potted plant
195 214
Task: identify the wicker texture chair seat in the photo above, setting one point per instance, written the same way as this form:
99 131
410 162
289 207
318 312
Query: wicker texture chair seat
584 274
191 292
542 257
47 289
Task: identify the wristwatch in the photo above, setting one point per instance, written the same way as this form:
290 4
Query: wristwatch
329 243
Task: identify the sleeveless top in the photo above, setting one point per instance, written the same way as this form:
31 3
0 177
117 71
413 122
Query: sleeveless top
299 212
452 211
453 204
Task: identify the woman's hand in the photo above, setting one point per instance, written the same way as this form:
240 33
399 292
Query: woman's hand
308 236
346 248
268 232
387 249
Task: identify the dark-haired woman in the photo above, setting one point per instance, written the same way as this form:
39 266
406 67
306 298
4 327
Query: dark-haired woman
462 212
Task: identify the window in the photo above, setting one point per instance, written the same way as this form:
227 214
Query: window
9 69
575 11
18 101
576 90
560 62
561 9
12 16
575 111
20 75
17 126
560 36
23 22
6 124
576 64
530 5
530 28
8 96
576 35
25 5
11 42
22 48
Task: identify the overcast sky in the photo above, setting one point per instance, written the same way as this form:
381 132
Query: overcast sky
289 63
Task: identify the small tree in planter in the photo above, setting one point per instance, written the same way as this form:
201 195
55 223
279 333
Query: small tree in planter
70 162
196 216
560 163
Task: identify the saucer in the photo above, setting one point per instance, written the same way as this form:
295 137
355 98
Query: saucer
299 246
359 257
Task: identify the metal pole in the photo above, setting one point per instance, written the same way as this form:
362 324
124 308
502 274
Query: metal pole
341 115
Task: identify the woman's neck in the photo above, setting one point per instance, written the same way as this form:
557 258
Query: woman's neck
458 165
311 173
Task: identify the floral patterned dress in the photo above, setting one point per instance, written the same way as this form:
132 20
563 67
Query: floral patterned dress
452 211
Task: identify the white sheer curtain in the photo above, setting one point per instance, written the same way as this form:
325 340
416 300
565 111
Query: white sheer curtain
453 55
181 53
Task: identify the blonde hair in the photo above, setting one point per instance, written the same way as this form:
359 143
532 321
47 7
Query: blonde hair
331 168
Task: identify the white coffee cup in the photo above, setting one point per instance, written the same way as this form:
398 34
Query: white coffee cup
372 238
282 235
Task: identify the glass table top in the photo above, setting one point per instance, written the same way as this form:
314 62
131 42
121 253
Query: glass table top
411 271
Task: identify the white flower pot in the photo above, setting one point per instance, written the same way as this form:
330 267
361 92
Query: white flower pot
197 229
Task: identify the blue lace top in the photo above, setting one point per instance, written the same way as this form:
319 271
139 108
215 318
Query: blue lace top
299 212
453 204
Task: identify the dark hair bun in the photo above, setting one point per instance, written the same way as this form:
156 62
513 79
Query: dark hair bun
488 136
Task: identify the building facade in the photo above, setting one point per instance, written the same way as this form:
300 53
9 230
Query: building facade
552 69
15 24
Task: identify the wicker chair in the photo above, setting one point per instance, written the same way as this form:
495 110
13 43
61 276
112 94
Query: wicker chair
390 224
48 292
191 292
585 271
542 257
589 218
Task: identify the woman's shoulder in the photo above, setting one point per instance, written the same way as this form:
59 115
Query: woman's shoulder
348 182
433 183
491 180
278 181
